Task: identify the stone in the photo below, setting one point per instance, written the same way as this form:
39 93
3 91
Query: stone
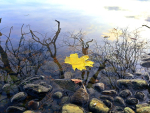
97 106
57 95
108 103
80 96
55 107
15 109
29 80
106 97
66 84
140 95
33 105
72 108
136 84
19 97
128 110
146 75
119 101
125 93
118 109
30 111
99 86
64 100
143 108
128 76
145 64
138 73
109 92
36 90
7 88
146 59
132 101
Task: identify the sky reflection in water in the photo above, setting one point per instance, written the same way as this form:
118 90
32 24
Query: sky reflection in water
95 18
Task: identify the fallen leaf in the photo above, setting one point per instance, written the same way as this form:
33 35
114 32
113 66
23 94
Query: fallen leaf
76 80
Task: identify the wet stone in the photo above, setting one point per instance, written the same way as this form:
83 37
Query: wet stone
31 111
6 87
138 73
57 95
97 106
19 97
128 110
128 76
146 59
136 84
119 101
43 83
118 109
125 93
67 84
71 108
99 86
15 109
132 101
146 76
33 105
145 64
107 103
143 108
30 80
36 90
105 97
64 100
55 107
80 96
140 96
109 92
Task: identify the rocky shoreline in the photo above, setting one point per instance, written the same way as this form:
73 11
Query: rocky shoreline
63 95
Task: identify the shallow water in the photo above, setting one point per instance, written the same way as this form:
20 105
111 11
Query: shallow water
29 58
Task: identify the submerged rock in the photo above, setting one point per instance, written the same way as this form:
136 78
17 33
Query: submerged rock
132 101
109 92
15 109
145 64
119 101
33 105
19 97
80 96
128 110
143 108
136 84
58 95
36 90
128 76
72 108
67 84
125 93
99 86
97 106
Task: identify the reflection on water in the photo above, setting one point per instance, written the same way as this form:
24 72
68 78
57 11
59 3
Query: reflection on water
40 57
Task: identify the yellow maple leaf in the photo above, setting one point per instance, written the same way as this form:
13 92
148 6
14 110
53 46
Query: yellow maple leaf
78 63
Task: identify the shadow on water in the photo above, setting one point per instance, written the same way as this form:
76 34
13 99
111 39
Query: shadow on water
39 57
